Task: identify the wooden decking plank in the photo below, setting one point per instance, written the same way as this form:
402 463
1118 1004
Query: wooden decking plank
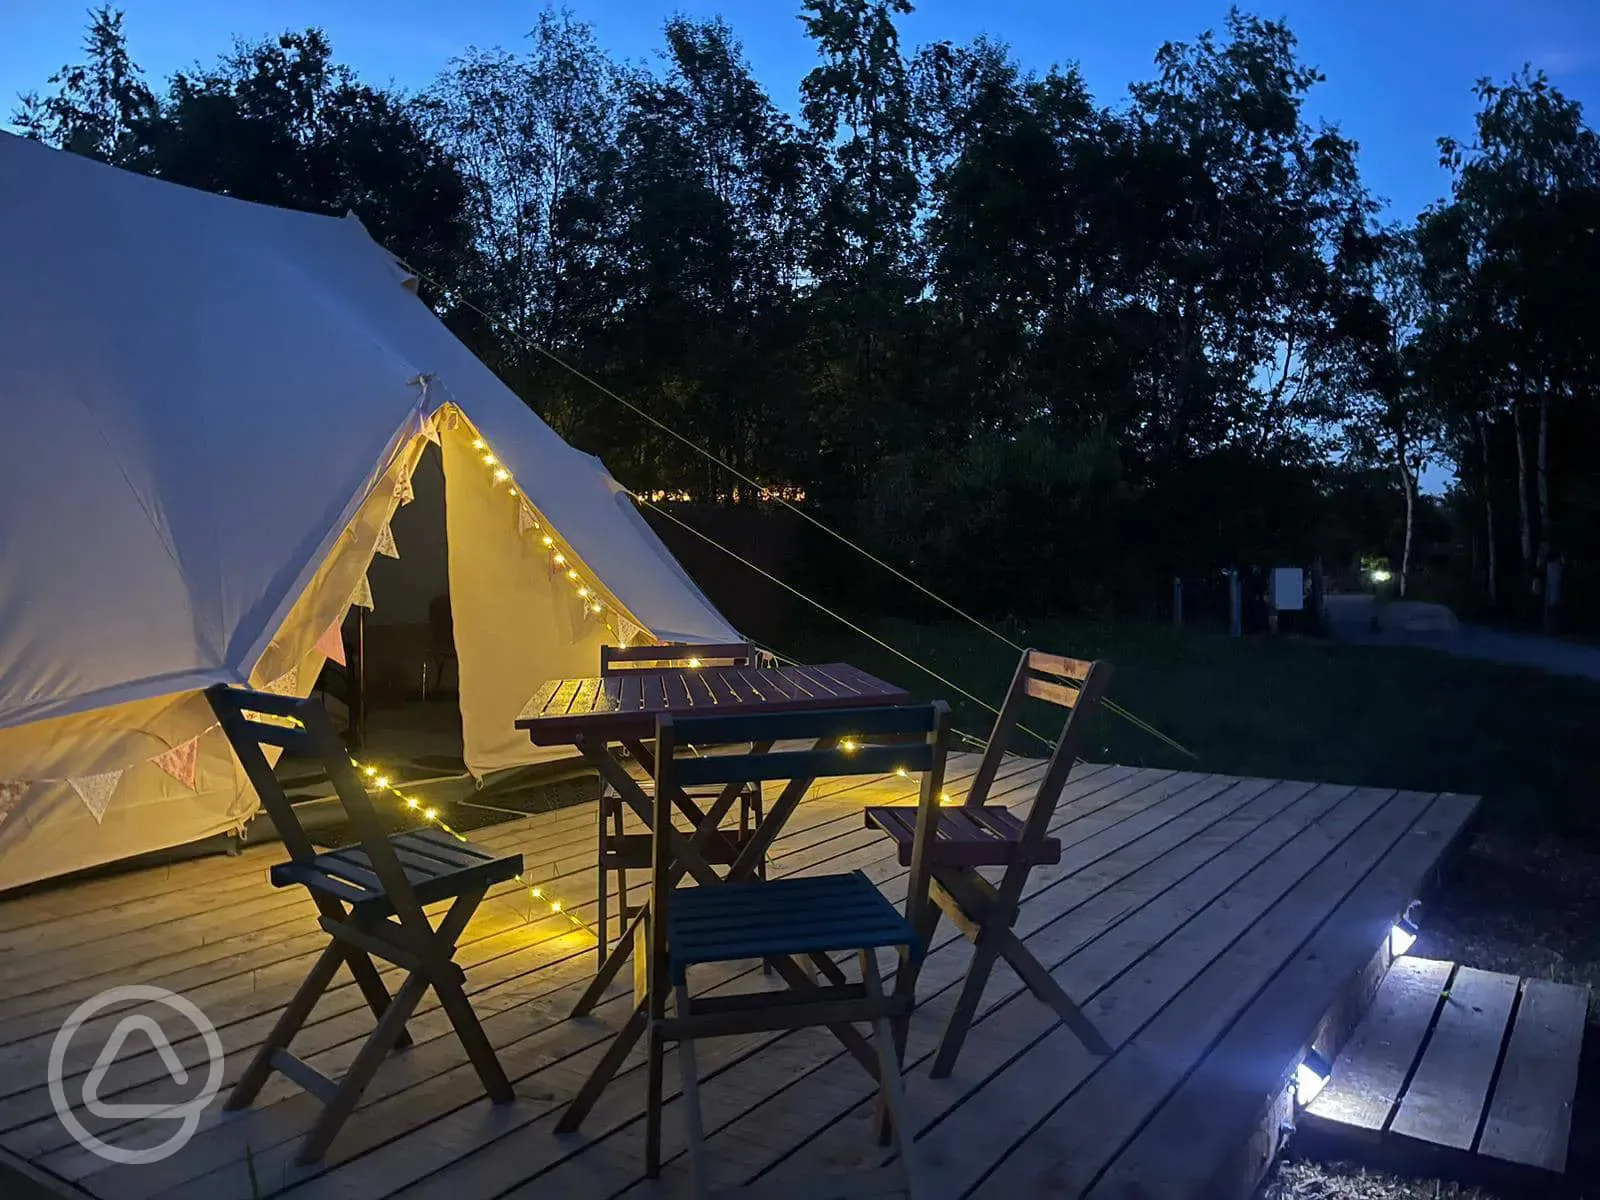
1130 890
399 1158
1215 1109
1530 1116
1446 1098
1232 949
1373 1066
236 1149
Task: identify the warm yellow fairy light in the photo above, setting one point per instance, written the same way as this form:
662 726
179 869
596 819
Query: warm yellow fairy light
478 443
694 662
596 609
849 745
501 474
573 575
548 540
561 560
432 815
584 592
902 772
489 460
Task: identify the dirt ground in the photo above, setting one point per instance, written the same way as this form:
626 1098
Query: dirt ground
1508 905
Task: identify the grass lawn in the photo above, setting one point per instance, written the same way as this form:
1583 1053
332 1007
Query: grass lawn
1291 708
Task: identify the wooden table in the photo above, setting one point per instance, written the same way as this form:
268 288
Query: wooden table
595 714
624 707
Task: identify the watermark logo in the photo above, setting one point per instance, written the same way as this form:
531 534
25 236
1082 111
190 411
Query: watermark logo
185 1116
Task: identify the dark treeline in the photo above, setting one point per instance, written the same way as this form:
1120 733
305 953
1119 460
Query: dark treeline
1043 351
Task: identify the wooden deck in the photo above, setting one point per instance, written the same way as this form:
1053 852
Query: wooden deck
1461 1072
1207 923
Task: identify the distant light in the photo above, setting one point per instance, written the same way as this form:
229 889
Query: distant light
1310 1077
1381 576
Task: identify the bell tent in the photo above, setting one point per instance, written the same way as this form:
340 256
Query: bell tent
212 410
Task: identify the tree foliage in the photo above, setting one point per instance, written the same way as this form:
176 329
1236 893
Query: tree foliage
1044 348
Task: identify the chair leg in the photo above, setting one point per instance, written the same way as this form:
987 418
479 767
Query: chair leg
1039 981
985 950
698 1176
601 926
622 872
476 1043
373 989
288 1024
366 1064
891 1087
655 1066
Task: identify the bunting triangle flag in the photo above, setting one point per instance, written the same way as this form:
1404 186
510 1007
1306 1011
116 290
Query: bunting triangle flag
287 684
403 491
363 595
331 644
95 791
430 429
525 518
180 762
386 546
11 793
627 631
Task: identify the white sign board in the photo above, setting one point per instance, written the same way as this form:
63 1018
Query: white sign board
1288 589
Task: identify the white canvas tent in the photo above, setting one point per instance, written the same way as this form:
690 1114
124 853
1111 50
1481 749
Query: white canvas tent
211 410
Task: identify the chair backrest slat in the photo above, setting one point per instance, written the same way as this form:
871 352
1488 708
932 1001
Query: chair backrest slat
733 728
1056 664
1055 693
802 764
630 660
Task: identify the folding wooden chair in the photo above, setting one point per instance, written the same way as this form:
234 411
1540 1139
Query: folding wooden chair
814 916
619 852
371 899
978 835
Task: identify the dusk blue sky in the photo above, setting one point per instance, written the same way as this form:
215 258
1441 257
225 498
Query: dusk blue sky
1399 72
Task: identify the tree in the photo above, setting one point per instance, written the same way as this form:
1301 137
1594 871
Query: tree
1390 415
101 108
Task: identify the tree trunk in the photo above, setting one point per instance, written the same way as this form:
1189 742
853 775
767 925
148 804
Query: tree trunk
1408 480
1488 513
1522 492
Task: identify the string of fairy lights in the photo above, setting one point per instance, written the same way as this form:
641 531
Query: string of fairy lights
538 894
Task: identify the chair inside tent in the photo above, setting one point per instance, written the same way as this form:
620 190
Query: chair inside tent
223 420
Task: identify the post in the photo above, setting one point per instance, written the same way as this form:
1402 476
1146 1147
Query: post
1318 595
1235 609
1177 600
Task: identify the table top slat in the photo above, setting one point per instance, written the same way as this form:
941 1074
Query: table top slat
625 707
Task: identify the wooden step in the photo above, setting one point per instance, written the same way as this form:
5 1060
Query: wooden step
1452 1064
